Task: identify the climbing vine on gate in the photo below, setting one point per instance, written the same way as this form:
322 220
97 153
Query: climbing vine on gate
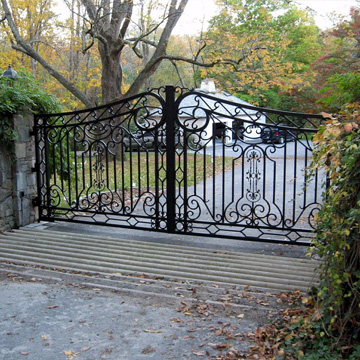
326 325
338 240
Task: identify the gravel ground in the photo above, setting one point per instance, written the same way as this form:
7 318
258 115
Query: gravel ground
47 315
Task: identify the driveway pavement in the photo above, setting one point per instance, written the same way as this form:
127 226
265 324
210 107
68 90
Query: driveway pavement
50 315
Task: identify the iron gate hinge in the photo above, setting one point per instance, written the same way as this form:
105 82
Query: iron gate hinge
36 201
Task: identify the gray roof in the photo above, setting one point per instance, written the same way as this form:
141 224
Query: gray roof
197 103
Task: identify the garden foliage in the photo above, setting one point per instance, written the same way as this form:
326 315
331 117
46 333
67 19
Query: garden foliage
326 323
19 95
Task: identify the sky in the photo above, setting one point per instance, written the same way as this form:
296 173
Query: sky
198 10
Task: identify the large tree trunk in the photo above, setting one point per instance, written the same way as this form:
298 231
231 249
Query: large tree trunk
111 75
108 22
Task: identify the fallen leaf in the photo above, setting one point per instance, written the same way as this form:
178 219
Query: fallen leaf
24 353
52 306
326 115
44 337
198 353
176 320
153 331
86 348
149 349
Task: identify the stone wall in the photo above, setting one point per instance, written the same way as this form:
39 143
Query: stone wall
17 181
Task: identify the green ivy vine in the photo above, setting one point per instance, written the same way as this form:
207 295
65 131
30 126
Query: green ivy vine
325 324
16 96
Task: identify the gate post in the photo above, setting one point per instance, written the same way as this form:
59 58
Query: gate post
170 116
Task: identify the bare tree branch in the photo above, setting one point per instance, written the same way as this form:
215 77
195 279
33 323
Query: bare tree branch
27 49
174 14
178 73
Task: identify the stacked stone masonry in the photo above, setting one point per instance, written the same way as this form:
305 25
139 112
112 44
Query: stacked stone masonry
17 181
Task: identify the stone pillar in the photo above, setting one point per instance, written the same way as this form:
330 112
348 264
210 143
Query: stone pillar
17 181
6 191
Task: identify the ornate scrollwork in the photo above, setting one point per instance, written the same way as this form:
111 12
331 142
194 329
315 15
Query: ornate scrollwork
253 157
89 165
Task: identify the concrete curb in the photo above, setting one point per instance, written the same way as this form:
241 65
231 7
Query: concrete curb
108 255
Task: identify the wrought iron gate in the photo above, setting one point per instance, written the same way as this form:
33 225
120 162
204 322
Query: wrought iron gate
181 162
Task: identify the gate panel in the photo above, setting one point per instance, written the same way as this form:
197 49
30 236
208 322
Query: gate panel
257 189
94 165
181 162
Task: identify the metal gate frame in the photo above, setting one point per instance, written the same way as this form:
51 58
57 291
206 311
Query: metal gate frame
81 177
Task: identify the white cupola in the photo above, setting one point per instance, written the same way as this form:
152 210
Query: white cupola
208 85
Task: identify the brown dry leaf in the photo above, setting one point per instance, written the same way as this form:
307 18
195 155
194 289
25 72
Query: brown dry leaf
24 353
148 350
86 348
70 354
326 115
143 276
218 346
52 306
44 337
153 331
176 320
223 346
188 313
198 353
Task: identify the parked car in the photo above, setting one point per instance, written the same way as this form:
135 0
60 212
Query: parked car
140 141
143 141
277 134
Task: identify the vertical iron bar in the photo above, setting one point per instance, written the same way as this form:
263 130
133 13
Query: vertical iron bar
316 185
139 172
223 177
157 189
305 179
131 177
205 159
295 180
61 161
147 170
185 181
213 174
68 163
170 158
122 165
76 170
284 185
47 168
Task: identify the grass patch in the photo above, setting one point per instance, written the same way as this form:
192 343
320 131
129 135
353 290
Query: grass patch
139 172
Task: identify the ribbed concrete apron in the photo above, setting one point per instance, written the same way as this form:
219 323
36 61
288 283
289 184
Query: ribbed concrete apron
103 254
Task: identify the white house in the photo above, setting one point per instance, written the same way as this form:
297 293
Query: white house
220 115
